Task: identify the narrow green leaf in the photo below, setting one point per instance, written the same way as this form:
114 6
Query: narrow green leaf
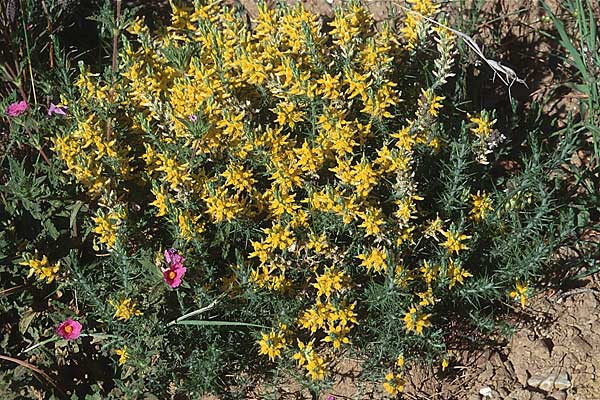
218 323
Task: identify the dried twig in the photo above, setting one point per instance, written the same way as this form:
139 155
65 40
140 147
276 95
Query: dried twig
34 369
506 74
559 295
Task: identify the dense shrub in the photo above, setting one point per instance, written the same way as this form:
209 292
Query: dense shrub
326 188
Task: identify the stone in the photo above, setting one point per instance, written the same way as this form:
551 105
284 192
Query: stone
537 396
542 348
483 358
558 395
535 381
548 384
486 391
562 381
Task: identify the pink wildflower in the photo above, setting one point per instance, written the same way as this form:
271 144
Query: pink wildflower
173 276
70 329
54 109
174 259
17 108
193 117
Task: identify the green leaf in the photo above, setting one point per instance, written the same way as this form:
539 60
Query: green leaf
73 218
26 319
218 323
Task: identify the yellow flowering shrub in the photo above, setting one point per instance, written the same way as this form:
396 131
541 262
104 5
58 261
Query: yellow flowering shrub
250 192
312 137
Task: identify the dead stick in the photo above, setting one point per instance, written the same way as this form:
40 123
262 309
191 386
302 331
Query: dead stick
34 369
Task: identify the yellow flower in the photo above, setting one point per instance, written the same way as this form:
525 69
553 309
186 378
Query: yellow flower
372 220
400 361
272 343
41 268
401 276
123 355
222 206
483 125
329 86
425 7
520 293
107 226
317 243
175 174
375 259
405 236
238 177
125 309
432 101
160 202
406 210
336 334
430 272
433 228
445 363
481 205
288 113
314 364
279 237
416 321
331 281
457 274
316 367
454 241
304 350
137 27
394 383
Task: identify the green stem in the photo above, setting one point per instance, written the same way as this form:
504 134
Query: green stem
28 55
57 338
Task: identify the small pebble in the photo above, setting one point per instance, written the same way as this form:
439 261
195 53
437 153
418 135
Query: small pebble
548 384
562 382
535 381
486 391
558 395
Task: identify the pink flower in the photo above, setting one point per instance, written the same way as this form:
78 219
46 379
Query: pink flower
173 276
54 109
174 259
70 329
17 108
193 117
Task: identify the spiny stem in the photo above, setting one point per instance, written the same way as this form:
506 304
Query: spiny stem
114 64
49 28
28 55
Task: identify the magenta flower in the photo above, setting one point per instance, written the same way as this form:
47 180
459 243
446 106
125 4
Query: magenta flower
174 259
70 329
173 276
54 109
17 108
